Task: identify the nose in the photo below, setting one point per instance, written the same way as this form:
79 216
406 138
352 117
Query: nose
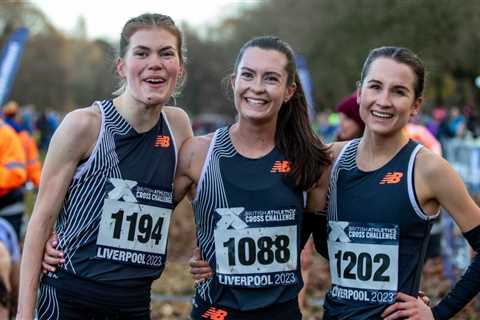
257 85
155 62
383 98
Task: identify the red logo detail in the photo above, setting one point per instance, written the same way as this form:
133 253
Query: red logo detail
215 314
162 142
392 178
281 167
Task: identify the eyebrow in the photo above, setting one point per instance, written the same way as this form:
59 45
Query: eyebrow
267 73
141 47
397 86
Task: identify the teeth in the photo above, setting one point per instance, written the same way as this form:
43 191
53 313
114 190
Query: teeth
154 80
383 115
255 101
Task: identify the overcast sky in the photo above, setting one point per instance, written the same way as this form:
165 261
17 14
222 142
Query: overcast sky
105 18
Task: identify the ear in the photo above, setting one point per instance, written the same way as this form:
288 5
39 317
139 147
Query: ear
358 91
181 72
416 106
290 91
120 66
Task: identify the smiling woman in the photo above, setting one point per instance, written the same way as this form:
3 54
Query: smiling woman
246 184
111 165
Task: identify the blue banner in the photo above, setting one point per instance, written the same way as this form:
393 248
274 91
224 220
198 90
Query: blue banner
306 84
10 60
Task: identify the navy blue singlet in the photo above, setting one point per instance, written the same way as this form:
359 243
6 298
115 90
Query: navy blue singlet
377 234
248 221
113 225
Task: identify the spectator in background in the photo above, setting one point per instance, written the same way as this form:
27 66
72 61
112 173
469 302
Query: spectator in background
351 126
9 266
457 122
13 176
438 115
13 116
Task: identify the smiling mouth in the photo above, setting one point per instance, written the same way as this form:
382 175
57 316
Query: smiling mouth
382 115
155 80
256 102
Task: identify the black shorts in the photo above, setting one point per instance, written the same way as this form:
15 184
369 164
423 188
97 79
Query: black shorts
82 300
288 310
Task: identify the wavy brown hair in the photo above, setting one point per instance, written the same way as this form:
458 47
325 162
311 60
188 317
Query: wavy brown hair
294 136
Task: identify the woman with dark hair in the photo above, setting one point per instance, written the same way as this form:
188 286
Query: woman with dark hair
246 183
384 193
108 183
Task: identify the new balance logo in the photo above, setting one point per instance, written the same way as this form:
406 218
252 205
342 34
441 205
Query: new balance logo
392 178
281 167
215 314
162 142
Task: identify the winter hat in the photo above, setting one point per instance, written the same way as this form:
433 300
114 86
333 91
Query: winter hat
350 108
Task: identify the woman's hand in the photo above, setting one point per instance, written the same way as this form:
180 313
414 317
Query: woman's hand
408 307
200 269
51 256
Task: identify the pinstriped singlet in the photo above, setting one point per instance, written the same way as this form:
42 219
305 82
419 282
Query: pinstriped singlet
377 234
247 221
113 225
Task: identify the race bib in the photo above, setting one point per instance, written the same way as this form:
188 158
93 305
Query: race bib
252 256
363 261
132 232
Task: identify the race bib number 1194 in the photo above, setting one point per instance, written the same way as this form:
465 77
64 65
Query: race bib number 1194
134 226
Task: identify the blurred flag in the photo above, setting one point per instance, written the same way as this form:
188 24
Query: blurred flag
9 61
306 84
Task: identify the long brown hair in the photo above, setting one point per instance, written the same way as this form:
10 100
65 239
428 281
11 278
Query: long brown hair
294 136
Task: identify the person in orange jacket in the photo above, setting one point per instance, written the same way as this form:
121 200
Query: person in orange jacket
13 116
13 175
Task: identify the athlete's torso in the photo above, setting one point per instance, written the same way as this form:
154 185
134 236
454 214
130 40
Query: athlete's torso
248 222
377 234
113 225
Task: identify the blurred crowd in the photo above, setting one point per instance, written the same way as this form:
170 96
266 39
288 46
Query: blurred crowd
22 133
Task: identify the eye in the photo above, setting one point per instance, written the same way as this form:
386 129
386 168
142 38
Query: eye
374 86
400 92
141 53
272 79
169 53
246 75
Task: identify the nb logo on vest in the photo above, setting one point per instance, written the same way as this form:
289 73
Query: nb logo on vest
392 178
281 167
162 141
215 314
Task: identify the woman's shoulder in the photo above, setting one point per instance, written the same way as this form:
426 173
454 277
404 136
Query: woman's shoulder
83 120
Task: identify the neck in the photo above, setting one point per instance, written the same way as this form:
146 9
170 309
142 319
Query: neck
140 116
253 140
374 150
